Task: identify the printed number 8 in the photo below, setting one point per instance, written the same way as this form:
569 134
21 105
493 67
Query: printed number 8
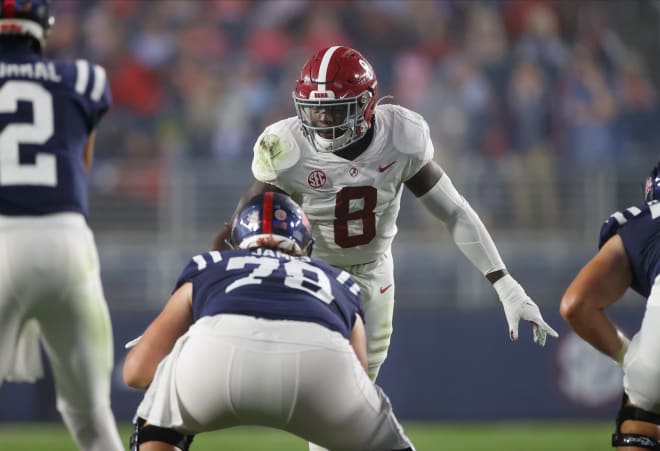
343 214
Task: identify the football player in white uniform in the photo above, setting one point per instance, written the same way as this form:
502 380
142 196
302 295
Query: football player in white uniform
345 159
628 257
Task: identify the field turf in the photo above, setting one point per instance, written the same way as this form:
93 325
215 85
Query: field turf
495 436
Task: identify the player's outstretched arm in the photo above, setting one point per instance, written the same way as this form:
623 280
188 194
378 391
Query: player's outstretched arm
437 193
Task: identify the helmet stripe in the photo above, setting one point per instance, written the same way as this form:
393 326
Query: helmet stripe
267 218
9 8
322 77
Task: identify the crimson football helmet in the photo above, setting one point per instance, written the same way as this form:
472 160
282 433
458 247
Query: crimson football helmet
339 82
272 220
652 185
26 17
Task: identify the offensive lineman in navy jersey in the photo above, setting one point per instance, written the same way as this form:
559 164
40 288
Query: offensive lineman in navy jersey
50 286
629 256
261 335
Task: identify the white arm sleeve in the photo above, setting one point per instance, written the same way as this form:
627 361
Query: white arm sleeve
465 226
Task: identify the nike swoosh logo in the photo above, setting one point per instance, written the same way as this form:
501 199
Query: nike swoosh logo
384 289
386 167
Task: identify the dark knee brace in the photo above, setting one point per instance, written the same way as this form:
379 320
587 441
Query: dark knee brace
634 413
142 434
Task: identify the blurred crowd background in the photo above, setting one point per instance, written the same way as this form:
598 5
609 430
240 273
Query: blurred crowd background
545 114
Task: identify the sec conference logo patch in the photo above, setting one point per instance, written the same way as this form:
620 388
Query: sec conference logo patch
317 178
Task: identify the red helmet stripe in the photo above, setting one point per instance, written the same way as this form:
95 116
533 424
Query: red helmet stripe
267 217
322 77
8 8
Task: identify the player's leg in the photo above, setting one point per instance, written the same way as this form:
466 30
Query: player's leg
638 421
190 390
20 354
339 407
146 437
636 428
77 335
10 321
377 289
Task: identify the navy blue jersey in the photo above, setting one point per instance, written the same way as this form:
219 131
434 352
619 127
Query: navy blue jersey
47 110
639 229
269 284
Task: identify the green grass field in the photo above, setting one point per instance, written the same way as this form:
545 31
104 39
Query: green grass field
497 436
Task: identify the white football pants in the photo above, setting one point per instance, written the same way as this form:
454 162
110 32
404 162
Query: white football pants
50 289
641 366
300 377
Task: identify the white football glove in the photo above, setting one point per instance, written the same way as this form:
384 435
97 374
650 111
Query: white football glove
517 306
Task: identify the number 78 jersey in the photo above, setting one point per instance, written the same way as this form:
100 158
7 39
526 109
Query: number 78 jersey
352 205
273 285
47 111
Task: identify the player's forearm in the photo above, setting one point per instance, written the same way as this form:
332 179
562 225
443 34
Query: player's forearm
594 326
466 228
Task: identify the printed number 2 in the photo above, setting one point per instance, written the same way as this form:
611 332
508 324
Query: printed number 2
44 169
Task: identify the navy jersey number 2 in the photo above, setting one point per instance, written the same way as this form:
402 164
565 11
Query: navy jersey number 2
48 110
44 169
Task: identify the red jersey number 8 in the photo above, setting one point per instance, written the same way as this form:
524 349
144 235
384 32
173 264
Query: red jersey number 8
347 197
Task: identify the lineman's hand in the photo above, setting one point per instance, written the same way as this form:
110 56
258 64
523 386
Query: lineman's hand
517 306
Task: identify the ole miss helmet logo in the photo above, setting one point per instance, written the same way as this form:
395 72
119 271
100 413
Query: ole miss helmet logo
317 178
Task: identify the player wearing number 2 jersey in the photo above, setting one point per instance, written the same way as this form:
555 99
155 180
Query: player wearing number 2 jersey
50 286
346 159
261 335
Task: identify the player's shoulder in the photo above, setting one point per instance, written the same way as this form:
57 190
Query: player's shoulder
84 78
636 215
277 148
407 129
199 263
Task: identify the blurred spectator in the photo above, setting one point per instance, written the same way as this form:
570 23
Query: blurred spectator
486 44
531 163
639 109
539 39
589 113
595 34
477 155
236 126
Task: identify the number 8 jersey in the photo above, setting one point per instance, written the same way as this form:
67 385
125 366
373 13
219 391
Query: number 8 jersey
351 204
48 109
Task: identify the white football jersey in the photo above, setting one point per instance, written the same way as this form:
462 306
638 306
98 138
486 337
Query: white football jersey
352 205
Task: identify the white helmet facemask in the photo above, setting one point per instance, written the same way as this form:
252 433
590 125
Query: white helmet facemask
349 126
